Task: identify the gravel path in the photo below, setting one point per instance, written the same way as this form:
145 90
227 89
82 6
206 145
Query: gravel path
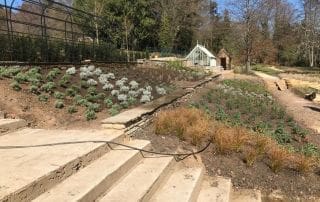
303 111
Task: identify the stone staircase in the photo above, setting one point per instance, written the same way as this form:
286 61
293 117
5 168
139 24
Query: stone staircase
75 165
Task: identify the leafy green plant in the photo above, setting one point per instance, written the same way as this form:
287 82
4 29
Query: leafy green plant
281 136
34 89
108 102
53 74
21 78
92 90
59 95
114 110
310 150
59 104
72 109
43 98
48 87
64 81
9 72
15 86
132 101
94 107
71 92
90 115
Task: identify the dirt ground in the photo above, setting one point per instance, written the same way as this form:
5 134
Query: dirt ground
260 176
41 115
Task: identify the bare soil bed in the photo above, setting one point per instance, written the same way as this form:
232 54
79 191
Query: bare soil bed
291 183
26 105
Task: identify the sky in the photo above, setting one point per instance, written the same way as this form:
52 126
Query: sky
223 4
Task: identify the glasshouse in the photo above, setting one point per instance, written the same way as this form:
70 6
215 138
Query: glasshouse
200 56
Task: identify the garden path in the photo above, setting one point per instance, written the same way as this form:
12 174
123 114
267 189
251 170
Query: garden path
303 111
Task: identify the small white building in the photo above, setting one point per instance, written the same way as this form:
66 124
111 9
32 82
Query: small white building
200 56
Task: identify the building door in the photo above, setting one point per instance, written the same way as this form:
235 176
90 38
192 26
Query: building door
224 63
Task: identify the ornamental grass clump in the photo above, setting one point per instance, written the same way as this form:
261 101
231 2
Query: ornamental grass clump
185 123
278 158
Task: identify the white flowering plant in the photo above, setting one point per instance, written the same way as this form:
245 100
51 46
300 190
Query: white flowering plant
92 82
71 71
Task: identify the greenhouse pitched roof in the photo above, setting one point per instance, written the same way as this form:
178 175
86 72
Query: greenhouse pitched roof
203 49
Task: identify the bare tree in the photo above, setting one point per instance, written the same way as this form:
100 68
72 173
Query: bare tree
311 30
246 13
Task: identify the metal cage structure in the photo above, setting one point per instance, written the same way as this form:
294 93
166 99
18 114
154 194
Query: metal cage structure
45 31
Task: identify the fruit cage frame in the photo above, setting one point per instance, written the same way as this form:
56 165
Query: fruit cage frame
49 32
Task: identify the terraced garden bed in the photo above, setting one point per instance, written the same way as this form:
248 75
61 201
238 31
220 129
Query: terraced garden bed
91 91
255 142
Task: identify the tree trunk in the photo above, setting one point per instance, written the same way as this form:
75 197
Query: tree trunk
127 43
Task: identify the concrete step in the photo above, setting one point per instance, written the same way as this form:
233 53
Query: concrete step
96 178
141 182
216 189
41 159
9 125
183 185
245 195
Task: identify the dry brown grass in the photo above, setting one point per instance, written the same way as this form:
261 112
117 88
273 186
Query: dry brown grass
186 123
302 163
229 139
194 125
278 157
222 137
256 149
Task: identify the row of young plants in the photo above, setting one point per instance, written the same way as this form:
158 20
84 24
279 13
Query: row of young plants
240 103
87 87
